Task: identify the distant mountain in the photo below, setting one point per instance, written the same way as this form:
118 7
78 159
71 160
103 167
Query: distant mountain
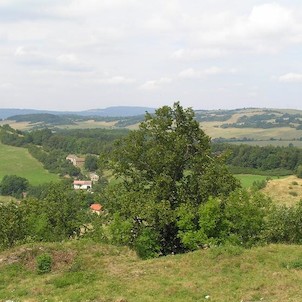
118 111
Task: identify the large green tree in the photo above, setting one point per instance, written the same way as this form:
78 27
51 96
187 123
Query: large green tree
164 164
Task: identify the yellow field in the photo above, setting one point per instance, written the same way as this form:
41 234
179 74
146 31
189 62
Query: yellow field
287 191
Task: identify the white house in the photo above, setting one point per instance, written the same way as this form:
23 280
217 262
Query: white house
82 184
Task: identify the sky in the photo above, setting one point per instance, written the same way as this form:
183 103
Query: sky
209 54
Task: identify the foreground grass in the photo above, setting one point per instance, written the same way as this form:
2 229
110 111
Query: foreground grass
18 161
86 271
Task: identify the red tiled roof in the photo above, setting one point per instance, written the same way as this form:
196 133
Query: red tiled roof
82 182
96 207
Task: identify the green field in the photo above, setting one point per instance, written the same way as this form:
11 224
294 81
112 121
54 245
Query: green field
248 179
86 271
18 161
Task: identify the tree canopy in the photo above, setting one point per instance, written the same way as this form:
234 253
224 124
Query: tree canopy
164 164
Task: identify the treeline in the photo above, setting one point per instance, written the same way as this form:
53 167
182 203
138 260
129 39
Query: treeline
58 215
51 148
44 118
261 158
81 141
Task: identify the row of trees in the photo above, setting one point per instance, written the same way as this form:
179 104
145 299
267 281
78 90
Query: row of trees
261 158
81 141
58 215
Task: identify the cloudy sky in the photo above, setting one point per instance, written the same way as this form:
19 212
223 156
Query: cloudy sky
209 54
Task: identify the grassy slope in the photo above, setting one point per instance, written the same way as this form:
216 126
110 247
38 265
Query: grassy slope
286 190
248 179
18 161
85 271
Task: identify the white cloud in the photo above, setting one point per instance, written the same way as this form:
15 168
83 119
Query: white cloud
75 50
268 28
116 80
6 86
155 84
291 77
192 73
213 70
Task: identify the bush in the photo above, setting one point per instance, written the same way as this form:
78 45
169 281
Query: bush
299 171
259 184
146 245
44 263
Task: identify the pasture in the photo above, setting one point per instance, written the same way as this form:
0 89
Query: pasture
86 271
18 161
286 190
248 179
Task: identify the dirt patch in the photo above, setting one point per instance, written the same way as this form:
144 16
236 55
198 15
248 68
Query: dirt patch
62 259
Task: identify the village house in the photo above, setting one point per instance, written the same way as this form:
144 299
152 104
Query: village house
76 161
96 208
82 184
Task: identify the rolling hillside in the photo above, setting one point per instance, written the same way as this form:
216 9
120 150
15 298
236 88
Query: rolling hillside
17 161
249 125
86 271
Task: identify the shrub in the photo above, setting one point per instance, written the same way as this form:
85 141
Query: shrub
259 184
299 171
293 193
146 245
44 263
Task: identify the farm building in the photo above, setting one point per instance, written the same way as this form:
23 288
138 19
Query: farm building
82 184
76 161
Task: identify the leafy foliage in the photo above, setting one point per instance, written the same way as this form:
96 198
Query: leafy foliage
13 185
165 164
91 163
44 263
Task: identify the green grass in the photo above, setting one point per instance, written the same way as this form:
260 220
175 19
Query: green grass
107 273
18 161
248 179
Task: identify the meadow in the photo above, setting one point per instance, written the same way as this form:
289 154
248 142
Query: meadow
86 271
18 161
247 180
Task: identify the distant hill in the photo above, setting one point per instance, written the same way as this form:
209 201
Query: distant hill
256 126
118 111
44 118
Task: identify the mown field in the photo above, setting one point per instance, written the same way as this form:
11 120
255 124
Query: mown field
85 271
248 179
18 161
